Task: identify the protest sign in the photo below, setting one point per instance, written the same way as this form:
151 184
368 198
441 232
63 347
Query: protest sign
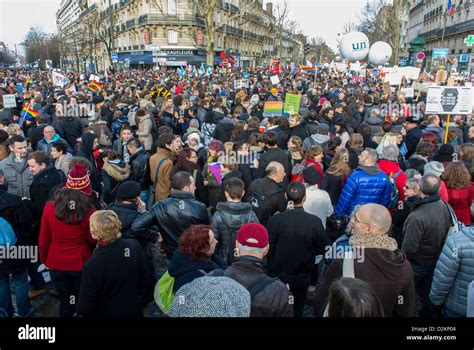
9 101
449 100
292 103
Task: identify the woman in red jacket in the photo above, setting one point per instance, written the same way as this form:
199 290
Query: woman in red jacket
65 241
458 182
314 157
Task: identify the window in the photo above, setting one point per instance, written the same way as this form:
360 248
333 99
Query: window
172 7
172 37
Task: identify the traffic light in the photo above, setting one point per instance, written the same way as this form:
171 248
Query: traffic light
307 48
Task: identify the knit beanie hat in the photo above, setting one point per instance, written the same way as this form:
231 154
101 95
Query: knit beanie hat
78 179
433 168
211 297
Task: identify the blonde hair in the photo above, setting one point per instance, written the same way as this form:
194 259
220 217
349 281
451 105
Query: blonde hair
389 138
339 164
12 129
106 225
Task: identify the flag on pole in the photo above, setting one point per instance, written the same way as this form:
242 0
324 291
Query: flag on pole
29 113
72 88
209 71
94 87
450 7
194 71
58 79
201 70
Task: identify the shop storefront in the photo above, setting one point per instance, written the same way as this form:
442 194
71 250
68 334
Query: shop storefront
167 58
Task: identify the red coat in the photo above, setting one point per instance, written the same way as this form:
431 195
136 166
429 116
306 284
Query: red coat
64 247
460 200
308 162
391 168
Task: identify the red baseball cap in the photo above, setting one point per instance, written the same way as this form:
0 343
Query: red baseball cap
253 235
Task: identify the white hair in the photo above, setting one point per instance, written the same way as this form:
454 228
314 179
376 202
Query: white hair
244 250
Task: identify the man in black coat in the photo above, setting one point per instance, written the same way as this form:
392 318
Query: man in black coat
128 208
70 129
46 176
413 135
223 130
273 154
272 187
139 165
35 132
296 238
269 296
424 233
297 128
175 214
14 211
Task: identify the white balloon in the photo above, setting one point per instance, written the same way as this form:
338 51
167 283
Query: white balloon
380 53
338 59
354 46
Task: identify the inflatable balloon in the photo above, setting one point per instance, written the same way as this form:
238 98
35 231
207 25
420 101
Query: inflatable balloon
354 46
338 59
380 53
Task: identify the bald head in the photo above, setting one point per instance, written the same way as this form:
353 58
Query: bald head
49 132
275 171
377 216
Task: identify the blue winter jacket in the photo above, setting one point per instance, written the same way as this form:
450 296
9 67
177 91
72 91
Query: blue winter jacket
454 271
367 184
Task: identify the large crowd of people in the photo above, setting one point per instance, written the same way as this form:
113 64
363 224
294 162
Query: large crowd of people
353 206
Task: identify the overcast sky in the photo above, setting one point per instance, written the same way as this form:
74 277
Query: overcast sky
323 18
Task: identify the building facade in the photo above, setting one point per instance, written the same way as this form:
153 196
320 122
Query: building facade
151 33
430 22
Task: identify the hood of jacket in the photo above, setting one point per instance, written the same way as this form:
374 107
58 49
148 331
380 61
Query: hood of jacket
218 116
370 170
181 264
117 169
320 139
87 143
386 264
373 120
388 166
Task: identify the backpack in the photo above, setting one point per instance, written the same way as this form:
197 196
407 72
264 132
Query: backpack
164 295
7 235
395 195
261 204
297 171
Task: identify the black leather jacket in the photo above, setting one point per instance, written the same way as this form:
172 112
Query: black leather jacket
173 215
140 169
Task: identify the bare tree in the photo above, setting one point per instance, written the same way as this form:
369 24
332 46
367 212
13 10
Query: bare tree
206 9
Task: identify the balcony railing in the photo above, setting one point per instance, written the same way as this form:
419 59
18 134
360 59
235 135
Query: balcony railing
88 10
182 19
130 23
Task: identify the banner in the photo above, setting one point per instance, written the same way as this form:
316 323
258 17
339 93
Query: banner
9 101
241 83
58 79
275 79
292 103
273 109
439 59
409 92
449 100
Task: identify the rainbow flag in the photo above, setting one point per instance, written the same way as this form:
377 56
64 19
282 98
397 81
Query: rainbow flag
29 113
94 87
273 109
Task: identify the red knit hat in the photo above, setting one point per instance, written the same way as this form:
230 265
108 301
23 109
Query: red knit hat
253 235
78 179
